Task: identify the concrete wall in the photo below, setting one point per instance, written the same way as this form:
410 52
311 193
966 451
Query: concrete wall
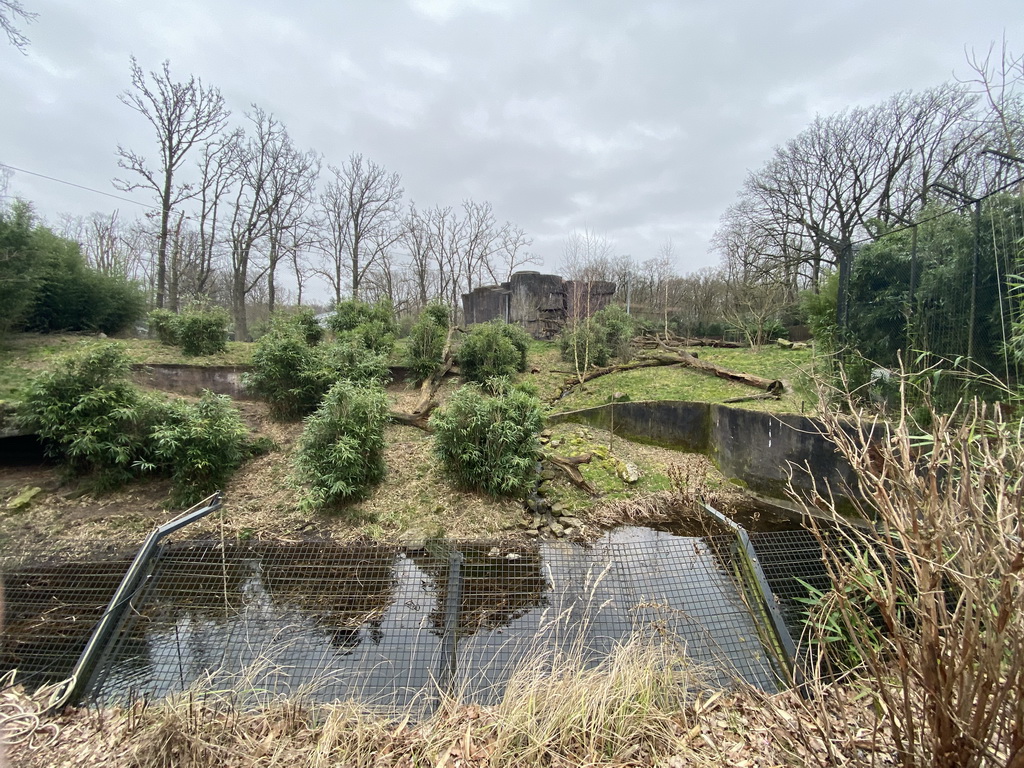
540 303
193 379
759 449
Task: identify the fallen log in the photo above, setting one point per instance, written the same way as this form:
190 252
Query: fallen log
430 385
650 342
595 373
569 466
751 398
418 419
772 386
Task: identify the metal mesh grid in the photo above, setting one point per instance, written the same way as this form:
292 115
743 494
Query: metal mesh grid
49 612
368 620
791 560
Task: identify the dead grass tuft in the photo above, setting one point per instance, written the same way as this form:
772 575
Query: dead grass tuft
637 707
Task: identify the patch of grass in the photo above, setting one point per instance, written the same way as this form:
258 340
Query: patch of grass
678 383
544 356
603 470
769 361
22 355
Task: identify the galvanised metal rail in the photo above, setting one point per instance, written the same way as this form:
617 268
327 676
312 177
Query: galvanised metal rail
76 684
768 602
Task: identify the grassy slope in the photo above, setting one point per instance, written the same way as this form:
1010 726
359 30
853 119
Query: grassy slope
414 501
23 354
677 383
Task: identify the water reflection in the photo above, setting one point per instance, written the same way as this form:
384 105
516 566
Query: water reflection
366 619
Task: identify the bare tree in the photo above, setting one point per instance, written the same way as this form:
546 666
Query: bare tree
512 253
184 115
299 240
587 256
446 234
481 241
254 204
362 208
11 13
292 183
220 172
416 238
999 79
842 176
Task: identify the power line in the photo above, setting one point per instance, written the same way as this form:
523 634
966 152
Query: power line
80 186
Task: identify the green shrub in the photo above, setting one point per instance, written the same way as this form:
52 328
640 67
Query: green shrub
198 331
293 376
92 418
426 343
605 336
374 324
502 385
69 295
581 346
199 444
616 330
89 415
340 454
202 332
288 374
164 325
819 311
489 443
348 359
310 328
493 349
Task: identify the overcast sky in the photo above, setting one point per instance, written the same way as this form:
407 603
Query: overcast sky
638 119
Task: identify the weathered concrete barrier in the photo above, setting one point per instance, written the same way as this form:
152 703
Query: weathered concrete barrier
187 379
761 450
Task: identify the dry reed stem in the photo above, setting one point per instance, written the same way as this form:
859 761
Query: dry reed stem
938 583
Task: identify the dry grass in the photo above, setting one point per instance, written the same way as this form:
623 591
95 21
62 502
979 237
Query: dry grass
637 708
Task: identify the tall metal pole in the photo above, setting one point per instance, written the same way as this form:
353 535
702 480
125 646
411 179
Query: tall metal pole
843 302
975 261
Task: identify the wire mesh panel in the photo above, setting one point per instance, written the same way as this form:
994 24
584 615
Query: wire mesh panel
792 562
691 589
524 605
50 610
321 620
393 625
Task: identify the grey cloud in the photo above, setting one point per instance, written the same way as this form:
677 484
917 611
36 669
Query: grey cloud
638 120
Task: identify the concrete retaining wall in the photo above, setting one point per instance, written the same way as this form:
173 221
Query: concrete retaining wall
193 379
759 449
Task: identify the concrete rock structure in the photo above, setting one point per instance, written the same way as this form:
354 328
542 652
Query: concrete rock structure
542 304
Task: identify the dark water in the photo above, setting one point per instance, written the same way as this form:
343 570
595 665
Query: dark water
371 621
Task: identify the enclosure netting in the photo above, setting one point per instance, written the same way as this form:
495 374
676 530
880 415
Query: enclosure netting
945 292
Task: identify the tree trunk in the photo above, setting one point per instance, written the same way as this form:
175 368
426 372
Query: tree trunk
433 382
161 252
238 306
271 267
418 419
569 466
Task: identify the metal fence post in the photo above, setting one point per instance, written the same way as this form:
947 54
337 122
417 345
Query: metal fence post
448 664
